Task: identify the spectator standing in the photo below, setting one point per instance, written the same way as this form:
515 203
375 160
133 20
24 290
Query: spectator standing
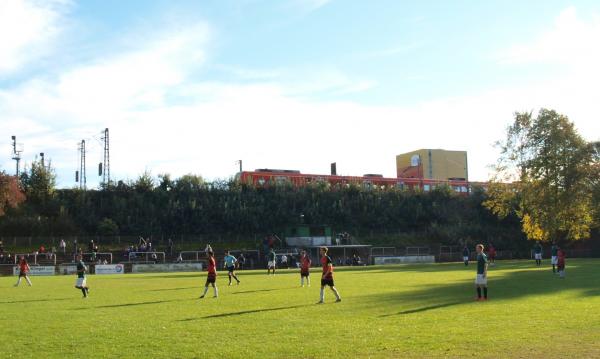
63 246
170 246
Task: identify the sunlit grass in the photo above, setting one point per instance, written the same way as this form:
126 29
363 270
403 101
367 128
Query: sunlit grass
398 311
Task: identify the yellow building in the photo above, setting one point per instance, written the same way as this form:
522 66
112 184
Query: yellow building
433 164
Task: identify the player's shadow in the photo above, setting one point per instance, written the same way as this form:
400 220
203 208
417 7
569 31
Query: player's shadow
262 290
138 303
517 280
243 312
422 309
170 289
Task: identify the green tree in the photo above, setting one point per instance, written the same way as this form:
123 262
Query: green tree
553 171
39 184
107 227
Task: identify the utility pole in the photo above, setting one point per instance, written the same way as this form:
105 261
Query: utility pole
16 153
106 162
240 163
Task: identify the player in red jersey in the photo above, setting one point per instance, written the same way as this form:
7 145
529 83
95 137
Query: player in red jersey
492 254
211 277
327 278
305 263
23 270
561 263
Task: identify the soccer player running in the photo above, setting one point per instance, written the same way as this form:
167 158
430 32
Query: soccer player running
211 277
537 250
305 263
272 261
327 277
482 268
554 254
229 263
81 282
23 270
466 254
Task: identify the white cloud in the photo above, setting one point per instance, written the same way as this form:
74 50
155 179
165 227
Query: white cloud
27 28
271 122
571 41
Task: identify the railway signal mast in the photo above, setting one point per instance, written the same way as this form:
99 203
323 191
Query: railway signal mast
17 150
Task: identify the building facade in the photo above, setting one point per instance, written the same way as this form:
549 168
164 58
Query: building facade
434 164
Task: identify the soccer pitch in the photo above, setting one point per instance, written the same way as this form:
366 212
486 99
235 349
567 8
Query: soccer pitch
423 311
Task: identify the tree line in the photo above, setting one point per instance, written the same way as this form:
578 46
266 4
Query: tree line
554 194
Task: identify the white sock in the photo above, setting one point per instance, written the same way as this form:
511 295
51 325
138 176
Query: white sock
337 295
216 291
205 290
18 281
28 281
302 281
322 294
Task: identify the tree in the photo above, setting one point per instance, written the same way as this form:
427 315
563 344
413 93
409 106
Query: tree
39 183
107 227
145 182
10 193
554 171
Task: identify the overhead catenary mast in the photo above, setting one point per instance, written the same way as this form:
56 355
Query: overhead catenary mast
80 176
106 164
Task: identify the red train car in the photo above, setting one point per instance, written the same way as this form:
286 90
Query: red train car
265 177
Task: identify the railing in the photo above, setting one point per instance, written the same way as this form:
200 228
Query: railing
98 255
49 256
383 251
252 256
134 255
195 254
417 251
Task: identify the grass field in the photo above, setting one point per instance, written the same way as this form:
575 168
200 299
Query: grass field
398 311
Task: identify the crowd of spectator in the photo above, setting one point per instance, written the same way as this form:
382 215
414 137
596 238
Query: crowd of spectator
144 246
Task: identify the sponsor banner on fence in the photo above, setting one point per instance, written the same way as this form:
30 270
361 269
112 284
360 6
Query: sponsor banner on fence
166 267
67 269
109 269
37 270
403 259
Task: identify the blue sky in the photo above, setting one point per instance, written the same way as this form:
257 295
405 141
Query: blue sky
193 86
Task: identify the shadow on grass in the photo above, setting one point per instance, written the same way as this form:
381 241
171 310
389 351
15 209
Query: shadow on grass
36 300
136 304
423 309
263 290
506 281
169 289
251 311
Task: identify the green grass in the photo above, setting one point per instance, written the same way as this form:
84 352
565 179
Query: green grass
386 312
